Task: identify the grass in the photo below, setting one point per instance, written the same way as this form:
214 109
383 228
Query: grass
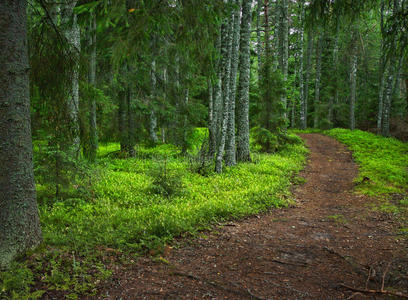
383 162
122 209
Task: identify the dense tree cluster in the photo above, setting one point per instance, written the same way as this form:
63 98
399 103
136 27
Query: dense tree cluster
150 71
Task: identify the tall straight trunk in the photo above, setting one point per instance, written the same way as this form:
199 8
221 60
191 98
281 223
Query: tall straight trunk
230 147
309 51
243 151
122 119
258 36
217 94
284 48
130 120
92 81
152 115
226 47
317 81
382 69
385 130
293 108
71 32
397 84
301 75
211 120
353 79
332 99
267 65
19 222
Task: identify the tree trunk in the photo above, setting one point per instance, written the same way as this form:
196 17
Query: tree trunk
353 79
226 47
243 152
92 81
382 69
258 36
152 115
71 32
230 147
309 51
303 124
211 120
332 99
317 81
19 222
284 48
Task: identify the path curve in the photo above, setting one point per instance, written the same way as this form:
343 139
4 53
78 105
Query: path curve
330 238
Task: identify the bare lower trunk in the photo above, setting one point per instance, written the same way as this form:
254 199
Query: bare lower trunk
230 148
152 115
317 81
307 76
19 223
243 152
301 75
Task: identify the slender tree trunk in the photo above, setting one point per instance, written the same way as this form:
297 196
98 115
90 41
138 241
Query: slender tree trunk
230 147
226 47
332 99
152 115
284 49
293 108
71 32
243 152
258 36
385 130
309 51
211 120
303 124
19 223
92 82
353 79
122 118
382 69
317 81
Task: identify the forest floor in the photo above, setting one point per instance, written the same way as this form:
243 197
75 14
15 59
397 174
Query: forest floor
331 242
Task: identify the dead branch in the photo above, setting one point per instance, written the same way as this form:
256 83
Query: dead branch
367 291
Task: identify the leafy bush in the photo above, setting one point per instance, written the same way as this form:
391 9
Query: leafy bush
263 140
166 182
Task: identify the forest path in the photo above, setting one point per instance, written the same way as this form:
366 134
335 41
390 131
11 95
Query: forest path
330 238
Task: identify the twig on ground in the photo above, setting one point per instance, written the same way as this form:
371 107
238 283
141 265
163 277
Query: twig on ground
383 276
288 263
366 291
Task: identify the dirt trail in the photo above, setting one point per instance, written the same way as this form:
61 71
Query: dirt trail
306 252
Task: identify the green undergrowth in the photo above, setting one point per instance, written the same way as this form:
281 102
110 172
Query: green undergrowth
136 205
383 162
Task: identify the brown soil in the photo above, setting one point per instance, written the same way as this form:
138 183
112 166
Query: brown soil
330 239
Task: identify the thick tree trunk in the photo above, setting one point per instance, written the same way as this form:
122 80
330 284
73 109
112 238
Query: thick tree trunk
92 81
385 130
230 147
317 81
226 47
19 223
243 151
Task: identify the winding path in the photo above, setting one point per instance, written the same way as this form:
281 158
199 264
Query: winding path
330 238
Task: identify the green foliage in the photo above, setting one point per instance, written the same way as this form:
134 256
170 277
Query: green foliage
166 182
262 140
383 162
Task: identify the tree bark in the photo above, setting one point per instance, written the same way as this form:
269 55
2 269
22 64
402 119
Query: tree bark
92 81
243 151
309 51
284 48
301 75
152 115
226 47
333 99
258 36
71 33
353 78
230 147
19 222
317 80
